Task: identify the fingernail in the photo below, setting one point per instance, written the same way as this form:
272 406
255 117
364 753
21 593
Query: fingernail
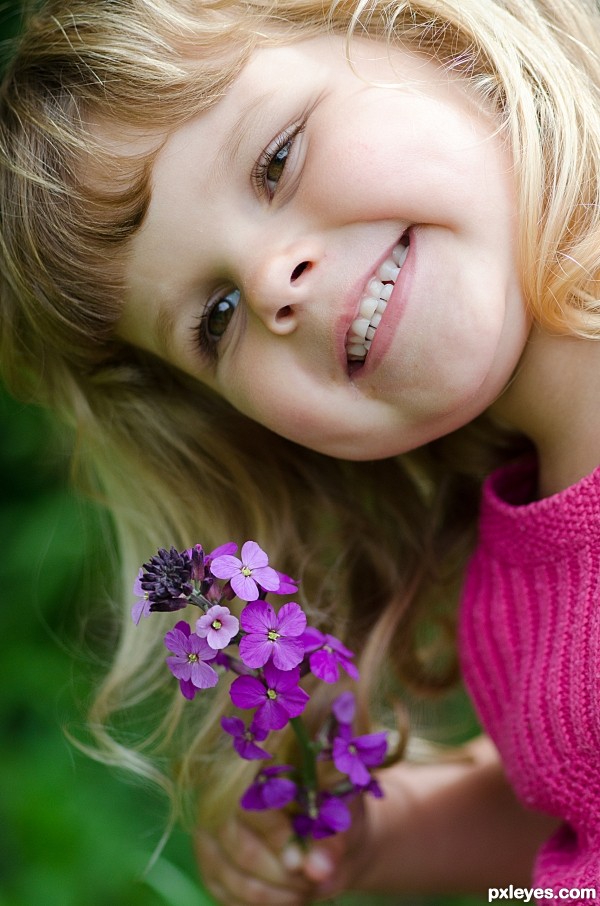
292 858
319 864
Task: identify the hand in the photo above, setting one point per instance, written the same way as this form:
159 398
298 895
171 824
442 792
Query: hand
252 859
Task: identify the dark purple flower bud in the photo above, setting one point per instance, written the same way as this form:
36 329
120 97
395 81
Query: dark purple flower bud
166 580
197 557
269 790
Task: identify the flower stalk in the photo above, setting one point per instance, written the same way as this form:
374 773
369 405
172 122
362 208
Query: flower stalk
269 652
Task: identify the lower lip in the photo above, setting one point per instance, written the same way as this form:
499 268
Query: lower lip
386 331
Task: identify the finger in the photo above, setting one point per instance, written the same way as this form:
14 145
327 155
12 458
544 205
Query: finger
252 854
270 824
232 886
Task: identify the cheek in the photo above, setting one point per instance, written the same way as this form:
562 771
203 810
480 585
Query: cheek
401 157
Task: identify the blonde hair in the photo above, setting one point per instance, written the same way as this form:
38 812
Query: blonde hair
162 452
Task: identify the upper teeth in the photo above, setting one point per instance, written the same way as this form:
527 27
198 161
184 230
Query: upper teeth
373 304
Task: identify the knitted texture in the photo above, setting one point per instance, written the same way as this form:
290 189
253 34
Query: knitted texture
529 637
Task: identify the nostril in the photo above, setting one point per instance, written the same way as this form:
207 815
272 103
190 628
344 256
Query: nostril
284 312
299 270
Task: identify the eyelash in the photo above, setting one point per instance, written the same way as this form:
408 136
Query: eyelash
259 175
261 167
203 340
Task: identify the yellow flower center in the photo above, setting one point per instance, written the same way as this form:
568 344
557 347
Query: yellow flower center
216 624
272 635
271 694
192 658
246 571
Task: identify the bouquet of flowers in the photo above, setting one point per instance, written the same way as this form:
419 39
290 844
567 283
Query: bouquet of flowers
270 652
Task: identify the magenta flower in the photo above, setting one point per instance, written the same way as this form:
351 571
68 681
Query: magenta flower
141 607
244 740
354 755
331 816
218 626
276 695
188 663
272 636
247 574
327 655
269 790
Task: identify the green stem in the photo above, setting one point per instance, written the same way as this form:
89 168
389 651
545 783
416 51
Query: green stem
309 761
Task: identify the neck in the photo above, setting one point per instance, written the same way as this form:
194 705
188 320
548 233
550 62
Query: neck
554 400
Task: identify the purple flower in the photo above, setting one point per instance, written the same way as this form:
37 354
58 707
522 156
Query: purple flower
244 740
269 790
287 585
166 580
354 755
218 626
248 573
276 695
141 607
330 815
327 655
188 662
344 708
271 635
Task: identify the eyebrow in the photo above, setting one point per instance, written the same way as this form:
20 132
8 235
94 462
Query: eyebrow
229 148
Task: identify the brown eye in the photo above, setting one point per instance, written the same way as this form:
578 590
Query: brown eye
274 171
219 315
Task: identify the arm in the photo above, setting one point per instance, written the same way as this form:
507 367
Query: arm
450 827
441 828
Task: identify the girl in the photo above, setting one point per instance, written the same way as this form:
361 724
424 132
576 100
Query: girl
308 273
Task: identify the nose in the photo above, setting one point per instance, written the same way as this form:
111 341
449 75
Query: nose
277 285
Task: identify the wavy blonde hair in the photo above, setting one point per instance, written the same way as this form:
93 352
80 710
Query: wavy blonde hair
161 452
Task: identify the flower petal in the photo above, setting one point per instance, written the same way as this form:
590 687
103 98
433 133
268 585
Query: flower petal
245 587
287 653
291 619
266 577
253 556
247 692
258 617
279 792
272 715
324 665
233 725
203 676
225 567
255 651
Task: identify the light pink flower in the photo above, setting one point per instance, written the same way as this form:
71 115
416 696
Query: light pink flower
218 626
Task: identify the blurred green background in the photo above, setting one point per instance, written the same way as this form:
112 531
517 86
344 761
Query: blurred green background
71 832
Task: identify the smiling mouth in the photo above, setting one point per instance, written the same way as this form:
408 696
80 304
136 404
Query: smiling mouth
373 304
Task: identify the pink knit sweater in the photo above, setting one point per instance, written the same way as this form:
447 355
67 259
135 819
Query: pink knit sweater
530 648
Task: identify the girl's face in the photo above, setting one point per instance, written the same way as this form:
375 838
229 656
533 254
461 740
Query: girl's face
271 216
